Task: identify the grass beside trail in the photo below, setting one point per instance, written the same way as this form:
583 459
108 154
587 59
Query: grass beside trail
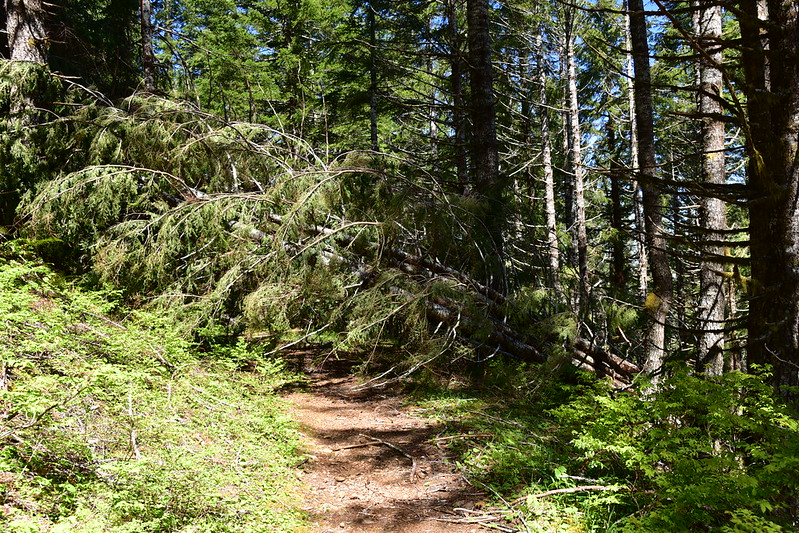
110 421
561 451
511 451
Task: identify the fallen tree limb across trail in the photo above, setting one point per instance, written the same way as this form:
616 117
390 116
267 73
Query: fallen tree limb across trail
485 327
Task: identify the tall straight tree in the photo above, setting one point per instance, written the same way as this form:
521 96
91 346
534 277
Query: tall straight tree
643 256
658 302
487 185
770 60
553 247
371 22
456 68
578 170
712 298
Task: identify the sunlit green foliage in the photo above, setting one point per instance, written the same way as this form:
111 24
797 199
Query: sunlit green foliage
701 455
28 155
697 454
111 421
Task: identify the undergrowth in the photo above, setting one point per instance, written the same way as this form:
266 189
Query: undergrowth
567 453
110 421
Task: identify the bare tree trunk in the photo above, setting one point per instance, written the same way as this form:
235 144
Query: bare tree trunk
567 171
658 302
27 39
553 247
488 187
147 56
643 257
712 298
579 171
618 269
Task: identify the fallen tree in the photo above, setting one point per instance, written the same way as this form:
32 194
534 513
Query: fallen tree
489 331
215 217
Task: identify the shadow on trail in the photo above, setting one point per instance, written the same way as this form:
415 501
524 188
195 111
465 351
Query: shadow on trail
373 465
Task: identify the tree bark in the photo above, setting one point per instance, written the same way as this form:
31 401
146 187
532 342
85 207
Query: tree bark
658 302
486 182
27 39
771 69
579 171
712 297
456 87
553 247
147 56
372 23
618 265
640 241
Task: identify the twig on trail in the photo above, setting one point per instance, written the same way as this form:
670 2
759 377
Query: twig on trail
504 501
396 448
361 445
134 446
581 488
372 385
483 521
464 436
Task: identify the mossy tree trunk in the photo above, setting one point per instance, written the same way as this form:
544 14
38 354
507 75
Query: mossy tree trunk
27 39
771 65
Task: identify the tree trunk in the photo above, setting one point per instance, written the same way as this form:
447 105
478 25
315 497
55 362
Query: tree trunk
772 88
553 247
581 236
488 186
658 302
147 57
712 298
27 39
456 87
372 22
640 240
618 264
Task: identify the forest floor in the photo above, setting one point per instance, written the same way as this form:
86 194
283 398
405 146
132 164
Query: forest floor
375 465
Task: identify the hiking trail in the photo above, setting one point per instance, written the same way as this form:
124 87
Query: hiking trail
376 466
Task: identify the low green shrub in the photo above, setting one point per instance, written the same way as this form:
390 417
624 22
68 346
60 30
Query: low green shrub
700 454
111 421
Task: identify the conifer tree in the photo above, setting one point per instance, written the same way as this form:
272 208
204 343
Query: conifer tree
658 302
486 182
27 39
770 61
713 222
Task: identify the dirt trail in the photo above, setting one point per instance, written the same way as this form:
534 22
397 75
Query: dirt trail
374 466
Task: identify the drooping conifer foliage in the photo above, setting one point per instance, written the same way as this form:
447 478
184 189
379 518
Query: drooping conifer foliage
599 185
